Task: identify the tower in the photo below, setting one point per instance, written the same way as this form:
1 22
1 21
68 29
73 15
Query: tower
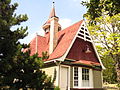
52 27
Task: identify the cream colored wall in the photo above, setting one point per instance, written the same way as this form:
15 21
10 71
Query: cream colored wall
97 76
52 72
97 79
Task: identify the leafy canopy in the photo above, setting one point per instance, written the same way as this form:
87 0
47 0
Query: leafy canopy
103 18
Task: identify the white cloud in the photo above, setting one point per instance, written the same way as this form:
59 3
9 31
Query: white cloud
65 22
41 32
31 35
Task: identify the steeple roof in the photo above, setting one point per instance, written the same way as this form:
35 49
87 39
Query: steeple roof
52 13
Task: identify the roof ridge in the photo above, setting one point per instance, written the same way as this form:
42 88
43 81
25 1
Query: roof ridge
41 36
72 25
79 22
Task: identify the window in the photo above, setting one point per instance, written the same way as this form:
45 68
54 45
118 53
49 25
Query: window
82 77
76 76
85 77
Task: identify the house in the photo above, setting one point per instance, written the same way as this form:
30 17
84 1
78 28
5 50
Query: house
73 60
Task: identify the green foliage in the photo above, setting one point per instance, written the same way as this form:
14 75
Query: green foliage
118 85
57 88
106 34
109 74
17 68
97 8
104 22
45 55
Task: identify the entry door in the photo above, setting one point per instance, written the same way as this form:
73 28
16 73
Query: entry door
64 78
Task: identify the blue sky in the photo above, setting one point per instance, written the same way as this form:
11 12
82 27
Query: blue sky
68 11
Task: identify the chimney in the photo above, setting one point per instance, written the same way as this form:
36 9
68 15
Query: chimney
53 34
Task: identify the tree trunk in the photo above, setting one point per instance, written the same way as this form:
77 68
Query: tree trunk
118 71
118 68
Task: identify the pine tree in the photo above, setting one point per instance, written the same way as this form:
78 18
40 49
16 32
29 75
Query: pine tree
17 68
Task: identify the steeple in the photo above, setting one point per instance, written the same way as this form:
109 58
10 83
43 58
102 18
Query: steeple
53 27
46 26
52 13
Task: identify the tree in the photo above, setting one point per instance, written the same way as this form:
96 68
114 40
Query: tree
97 8
106 33
109 74
17 68
27 73
104 22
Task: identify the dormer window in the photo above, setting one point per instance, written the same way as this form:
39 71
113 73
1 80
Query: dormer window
59 28
47 30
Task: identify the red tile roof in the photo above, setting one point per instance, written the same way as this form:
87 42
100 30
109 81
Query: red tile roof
38 45
90 62
41 44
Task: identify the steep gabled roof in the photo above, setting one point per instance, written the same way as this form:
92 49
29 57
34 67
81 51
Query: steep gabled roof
66 38
41 44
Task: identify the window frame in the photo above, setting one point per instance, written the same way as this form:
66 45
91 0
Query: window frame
80 78
76 76
85 77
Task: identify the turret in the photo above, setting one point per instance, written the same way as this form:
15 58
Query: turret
53 27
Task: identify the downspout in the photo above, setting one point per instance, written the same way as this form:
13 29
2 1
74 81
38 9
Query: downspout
58 64
59 77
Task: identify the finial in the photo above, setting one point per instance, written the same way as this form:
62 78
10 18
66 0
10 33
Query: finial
36 33
53 3
52 13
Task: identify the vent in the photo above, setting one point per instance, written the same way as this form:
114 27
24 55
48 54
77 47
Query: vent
84 33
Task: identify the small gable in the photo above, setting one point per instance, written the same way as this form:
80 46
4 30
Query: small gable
78 52
83 51
38 45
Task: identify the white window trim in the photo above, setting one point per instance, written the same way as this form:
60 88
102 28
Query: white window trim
80 78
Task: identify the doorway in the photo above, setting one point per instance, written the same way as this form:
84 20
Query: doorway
64 78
